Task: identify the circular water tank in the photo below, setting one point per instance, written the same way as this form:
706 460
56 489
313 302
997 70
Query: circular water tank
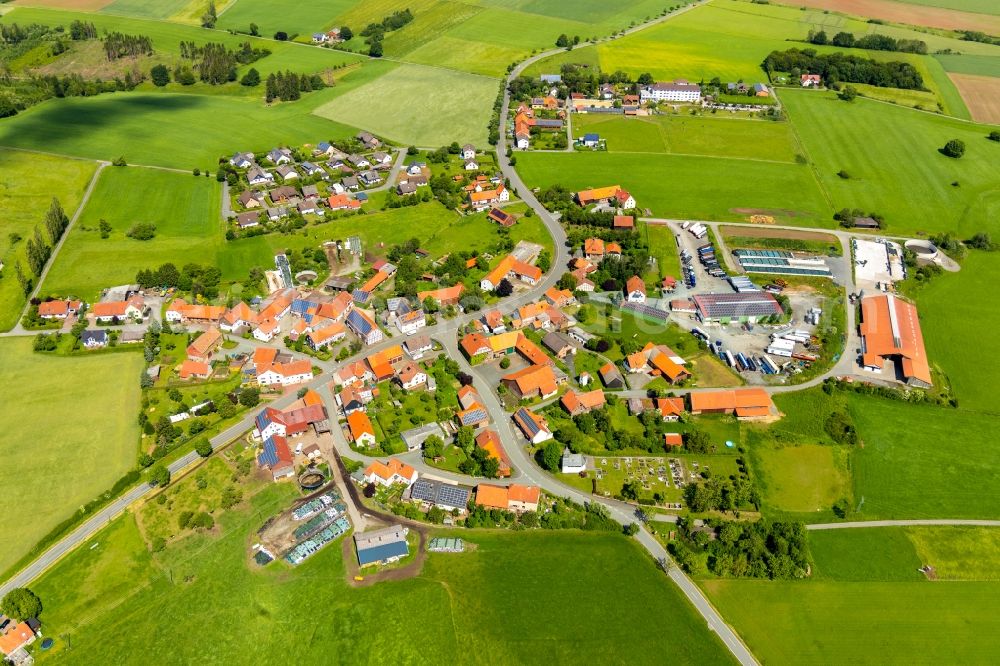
924 249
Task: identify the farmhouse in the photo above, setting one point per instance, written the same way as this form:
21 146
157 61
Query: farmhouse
658 360
510 266
623 222
361 430
534 426
580 403
293 421
284 374
515 497
612 195
389 473
531 382
742 307
811 80
447 496
670 408
502 218
484 199
205 345
364 327
133 308
443 297
382 546
890 331
191 369
489 441
745 403
58 309
276 457
678 91
635 290
611 377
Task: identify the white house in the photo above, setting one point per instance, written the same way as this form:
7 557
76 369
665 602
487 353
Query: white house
390 473
266 330
635 290
573 463
257 176
678 91
285 374
468 151
412 377
471 164
522 141
411 322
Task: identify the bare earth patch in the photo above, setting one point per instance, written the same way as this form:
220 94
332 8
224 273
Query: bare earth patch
774 212
752 231
981 94
900 12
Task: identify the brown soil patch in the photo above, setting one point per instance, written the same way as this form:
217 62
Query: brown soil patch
783 212
902 12
79 5
981 94
755 231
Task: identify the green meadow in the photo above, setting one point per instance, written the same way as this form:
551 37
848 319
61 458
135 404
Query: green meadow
88 405
180 603
975 6
148 128
949 312
983 65
924 191
146 9
28 181
803 479
865 591
419 105
185 210
680 186
302 17
711 135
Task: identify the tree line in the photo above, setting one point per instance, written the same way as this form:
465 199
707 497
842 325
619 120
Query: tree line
192 278
37 249
872 42
839 67
119 45
289 86
375 32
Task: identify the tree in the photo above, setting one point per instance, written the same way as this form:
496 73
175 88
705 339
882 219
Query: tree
464 438
346 33
631 529
505 288
551 456
981 241
160 75
159 475
630 490
249 397
848 94
281 36
433 447
562 41
251 78
994 135
21 603
203 447
645 79
209 18
375 50
954 148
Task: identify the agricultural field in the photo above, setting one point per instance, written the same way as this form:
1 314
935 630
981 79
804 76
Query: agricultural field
781 239
948 14
920 461
947 312
205 569
185 210
302 17
88 405
699 188
866 591
28 181
208 127
803 479
710 136
983 65
981 95
419 105
924 192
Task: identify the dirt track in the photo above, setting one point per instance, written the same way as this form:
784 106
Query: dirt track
901 12
981 94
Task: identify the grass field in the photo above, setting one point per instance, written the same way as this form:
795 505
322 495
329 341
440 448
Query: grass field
110 126
88 407
419 105
916 195
865 591
701 188
28 181
983 65
805 478
300 17
206 569
949 311
685 135
920 462
184 209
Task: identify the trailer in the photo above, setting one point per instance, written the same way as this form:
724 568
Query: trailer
685 225
698 333
766 362
741 362
730 360
781 347
752 364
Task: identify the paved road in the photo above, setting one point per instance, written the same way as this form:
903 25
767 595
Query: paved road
903 523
